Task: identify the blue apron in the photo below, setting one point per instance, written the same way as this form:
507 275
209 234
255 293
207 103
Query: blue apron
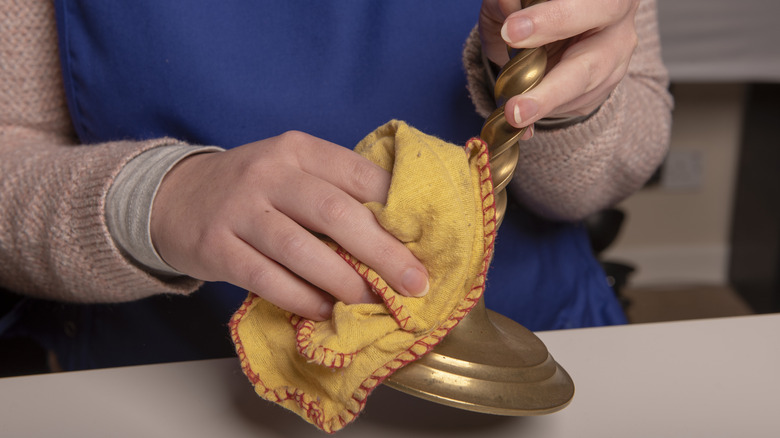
230 72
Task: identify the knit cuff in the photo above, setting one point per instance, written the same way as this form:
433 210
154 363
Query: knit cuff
563 122
479 77
130 199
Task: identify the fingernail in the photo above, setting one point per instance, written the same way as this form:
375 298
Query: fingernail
517 29
516 114
326 310
524 110
415 282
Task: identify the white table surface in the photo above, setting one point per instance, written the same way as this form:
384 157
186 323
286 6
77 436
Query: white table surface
706 378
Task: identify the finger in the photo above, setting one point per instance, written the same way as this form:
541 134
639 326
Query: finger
491 19
298 250
503 8
245 267
342 167
578 84
528 133
325 209
552 21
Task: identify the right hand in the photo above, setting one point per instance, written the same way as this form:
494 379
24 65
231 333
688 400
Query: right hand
589 46
246 216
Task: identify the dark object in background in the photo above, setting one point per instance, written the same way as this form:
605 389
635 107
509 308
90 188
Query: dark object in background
754 267
22 356
603 228
18 355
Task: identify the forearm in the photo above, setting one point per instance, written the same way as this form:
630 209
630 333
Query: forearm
567 174
54 242
130 200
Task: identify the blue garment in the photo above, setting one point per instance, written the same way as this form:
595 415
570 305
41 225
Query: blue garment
229 72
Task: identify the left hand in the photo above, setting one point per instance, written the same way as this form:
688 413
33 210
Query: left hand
589 46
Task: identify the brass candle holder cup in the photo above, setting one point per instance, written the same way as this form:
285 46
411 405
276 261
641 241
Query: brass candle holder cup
489 363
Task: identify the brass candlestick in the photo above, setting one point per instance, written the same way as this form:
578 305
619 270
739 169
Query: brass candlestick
489 363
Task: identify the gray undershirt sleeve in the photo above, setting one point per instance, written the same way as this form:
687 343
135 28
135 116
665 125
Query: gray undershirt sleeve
130 198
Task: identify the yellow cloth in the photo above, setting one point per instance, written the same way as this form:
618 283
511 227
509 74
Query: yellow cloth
441 206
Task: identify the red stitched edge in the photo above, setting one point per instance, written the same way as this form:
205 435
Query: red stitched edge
233 325
320 355
313 410
379 287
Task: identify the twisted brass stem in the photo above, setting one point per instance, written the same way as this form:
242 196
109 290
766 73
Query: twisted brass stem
489 363
523 72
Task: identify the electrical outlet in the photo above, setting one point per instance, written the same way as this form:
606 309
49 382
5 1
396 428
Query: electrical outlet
683 169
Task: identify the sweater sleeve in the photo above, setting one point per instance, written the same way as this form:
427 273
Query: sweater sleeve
571 172
130 200
54 242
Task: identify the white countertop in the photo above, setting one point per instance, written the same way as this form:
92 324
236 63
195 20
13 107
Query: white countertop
706 378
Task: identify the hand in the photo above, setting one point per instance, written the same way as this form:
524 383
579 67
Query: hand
589 46
246 216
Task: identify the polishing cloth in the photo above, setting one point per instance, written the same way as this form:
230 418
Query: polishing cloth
441 206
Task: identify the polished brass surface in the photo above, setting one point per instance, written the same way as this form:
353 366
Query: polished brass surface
524 70
489 363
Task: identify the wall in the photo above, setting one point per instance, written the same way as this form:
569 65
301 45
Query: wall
677 232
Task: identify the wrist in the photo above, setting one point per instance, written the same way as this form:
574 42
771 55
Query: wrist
130 200
550 123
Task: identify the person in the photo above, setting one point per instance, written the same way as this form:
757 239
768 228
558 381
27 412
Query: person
160 158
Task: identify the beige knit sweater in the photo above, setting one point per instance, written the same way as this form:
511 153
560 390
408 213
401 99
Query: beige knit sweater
54 241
